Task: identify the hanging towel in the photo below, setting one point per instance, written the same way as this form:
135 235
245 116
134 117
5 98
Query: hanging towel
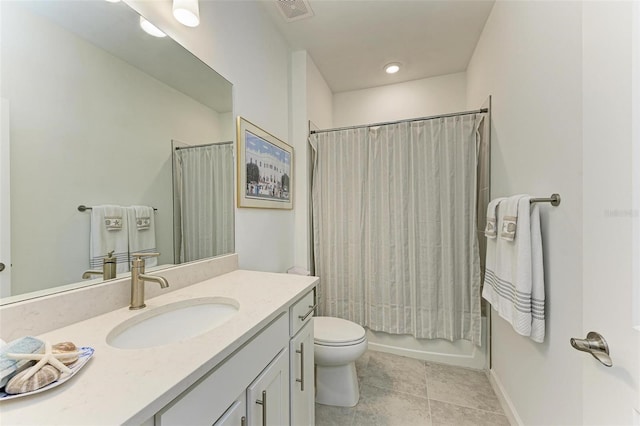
491 230
514 274
510 218
142 232
109 233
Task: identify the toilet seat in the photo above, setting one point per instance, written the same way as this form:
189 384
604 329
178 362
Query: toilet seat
339 344
330 331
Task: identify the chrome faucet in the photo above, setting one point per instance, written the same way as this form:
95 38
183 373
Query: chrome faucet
108 268
138 278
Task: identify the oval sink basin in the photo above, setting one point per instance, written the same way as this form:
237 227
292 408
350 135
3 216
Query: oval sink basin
172 323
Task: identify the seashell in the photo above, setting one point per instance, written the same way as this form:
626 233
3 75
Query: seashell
64 347
61 348
46 375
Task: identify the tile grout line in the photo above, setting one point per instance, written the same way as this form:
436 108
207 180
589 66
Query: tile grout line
466 406
395 391
426 380
364 371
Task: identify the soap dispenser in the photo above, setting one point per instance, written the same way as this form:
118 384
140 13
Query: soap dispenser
109 266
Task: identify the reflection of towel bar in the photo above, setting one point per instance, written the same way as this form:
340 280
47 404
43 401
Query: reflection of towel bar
83 208
554 200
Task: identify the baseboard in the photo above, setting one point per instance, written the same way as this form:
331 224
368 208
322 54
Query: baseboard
509 410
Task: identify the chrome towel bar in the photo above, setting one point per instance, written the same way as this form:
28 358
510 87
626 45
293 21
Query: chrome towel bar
554 200
83 208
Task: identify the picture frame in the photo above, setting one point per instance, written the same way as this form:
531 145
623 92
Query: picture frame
265 169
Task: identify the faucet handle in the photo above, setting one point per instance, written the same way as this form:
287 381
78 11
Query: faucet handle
138 261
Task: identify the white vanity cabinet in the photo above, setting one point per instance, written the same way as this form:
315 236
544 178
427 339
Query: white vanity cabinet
268 395
212 378
302 377
224 395
269 381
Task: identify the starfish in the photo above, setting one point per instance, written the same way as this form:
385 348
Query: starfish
48 357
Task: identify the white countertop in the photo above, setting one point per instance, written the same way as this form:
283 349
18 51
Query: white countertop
129 386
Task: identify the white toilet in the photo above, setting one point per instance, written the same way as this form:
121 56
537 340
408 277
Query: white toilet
338 343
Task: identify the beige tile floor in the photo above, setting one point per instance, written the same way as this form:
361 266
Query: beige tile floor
400 391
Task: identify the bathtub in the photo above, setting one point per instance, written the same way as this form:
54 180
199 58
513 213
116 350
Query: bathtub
461 353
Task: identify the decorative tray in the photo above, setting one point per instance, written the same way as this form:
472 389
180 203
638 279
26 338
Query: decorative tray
85 354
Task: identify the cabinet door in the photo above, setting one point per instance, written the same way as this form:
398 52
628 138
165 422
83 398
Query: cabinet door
268 395
236 415
302 377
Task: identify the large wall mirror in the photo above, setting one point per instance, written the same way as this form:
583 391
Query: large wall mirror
95 109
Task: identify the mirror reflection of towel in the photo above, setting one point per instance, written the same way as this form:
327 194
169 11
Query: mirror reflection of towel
109 233
143 223
142 236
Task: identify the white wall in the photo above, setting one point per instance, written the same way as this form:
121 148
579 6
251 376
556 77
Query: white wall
529 59
299 130
319 97
419 98
239 41
87 128
311 100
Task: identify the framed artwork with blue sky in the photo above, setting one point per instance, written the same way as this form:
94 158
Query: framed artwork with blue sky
265 169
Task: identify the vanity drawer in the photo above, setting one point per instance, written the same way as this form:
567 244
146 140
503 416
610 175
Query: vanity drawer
302 311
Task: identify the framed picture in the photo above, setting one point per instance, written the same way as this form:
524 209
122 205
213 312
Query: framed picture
265 169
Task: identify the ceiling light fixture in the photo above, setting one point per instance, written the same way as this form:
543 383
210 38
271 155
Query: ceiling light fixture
150 29
113 1
392 68
187 12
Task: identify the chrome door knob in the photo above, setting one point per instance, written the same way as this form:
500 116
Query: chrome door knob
595 345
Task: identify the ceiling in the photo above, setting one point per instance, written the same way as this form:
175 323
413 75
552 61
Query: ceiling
351 41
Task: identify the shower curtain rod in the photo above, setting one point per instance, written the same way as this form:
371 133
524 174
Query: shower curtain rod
454 114
206 144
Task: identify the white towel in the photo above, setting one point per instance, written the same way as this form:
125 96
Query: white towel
109 232
142 232
491 229
510 217
514 274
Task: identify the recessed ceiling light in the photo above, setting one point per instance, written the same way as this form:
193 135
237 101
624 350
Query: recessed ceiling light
187 12
150 29
113 1
392 68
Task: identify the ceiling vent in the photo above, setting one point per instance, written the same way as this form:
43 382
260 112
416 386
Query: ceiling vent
294 10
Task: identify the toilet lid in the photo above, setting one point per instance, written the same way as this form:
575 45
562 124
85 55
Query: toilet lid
336 330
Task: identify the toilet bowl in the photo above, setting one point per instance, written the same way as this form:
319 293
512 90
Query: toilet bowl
338 343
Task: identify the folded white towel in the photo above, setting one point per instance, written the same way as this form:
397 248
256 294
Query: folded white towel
109 233
514 274
491 230
142 232
510 217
